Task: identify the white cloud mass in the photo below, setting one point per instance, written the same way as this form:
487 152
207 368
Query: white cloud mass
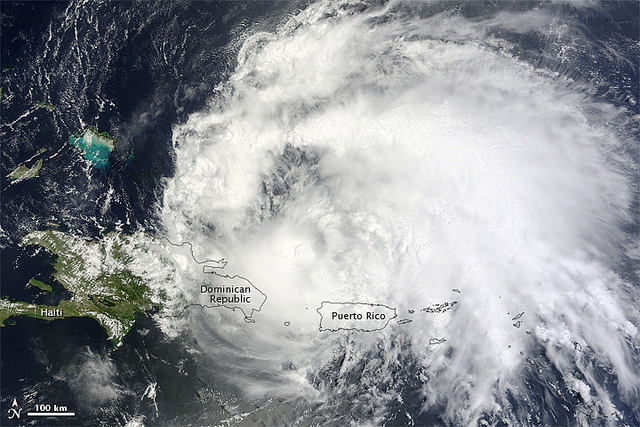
389 158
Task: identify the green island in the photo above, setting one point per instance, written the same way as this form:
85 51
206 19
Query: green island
96 146
41 285
46 105
23 171
98 275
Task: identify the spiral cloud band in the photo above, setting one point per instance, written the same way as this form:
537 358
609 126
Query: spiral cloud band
406 156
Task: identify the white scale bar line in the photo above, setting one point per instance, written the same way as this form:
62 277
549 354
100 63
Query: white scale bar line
51 414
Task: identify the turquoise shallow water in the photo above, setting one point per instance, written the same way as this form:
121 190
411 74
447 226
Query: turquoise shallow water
95 146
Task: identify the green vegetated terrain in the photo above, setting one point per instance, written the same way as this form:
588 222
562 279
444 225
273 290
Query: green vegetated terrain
97 274
29 169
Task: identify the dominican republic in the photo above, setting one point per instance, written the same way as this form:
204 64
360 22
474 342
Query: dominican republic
227 294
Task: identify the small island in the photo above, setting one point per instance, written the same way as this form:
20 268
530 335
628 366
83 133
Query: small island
28 169
49 106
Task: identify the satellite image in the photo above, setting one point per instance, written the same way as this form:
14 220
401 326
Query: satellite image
320 213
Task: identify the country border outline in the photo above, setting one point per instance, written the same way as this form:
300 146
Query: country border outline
224 262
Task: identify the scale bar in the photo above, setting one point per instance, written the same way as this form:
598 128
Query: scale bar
51 414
